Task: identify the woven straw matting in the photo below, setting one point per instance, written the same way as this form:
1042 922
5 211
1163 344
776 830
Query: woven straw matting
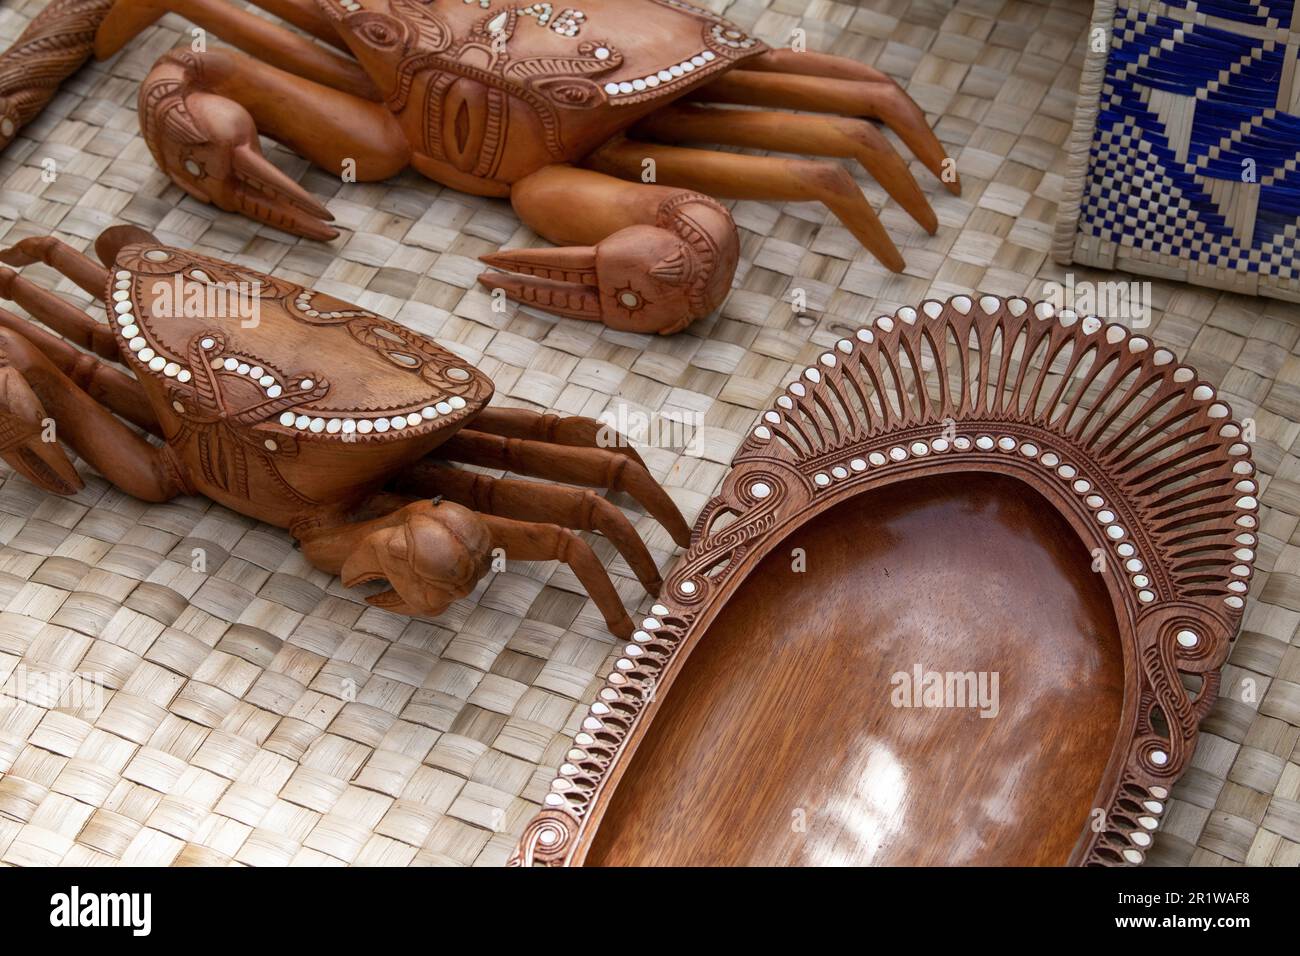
259 713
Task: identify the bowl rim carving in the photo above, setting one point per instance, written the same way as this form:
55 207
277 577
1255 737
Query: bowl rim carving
1140 456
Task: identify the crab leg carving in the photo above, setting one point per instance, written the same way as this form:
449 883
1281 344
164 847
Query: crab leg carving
759 177
885 101
582 466
790 133
574 508
534 105
55 44
877 95
575 430
36 388
129 19
104 383
275 45
346 455
81 269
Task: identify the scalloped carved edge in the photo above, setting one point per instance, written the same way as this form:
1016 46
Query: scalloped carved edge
1142 458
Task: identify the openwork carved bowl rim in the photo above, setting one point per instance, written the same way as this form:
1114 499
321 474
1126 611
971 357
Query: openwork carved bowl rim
1140 456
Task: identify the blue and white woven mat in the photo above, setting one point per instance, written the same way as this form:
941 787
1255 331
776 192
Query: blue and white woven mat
1184 154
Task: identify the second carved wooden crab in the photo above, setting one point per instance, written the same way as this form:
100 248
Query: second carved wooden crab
579 116
300 410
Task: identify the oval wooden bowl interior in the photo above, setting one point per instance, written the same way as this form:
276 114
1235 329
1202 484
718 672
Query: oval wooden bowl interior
779 742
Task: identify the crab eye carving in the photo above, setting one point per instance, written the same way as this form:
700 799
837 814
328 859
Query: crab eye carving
630 299
377 30
570 91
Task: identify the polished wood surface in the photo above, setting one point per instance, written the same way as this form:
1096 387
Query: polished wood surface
778 742
57 41
501 100
1132 450
298 409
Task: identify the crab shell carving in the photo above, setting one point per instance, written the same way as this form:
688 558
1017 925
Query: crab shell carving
306 412
1115 525
585 118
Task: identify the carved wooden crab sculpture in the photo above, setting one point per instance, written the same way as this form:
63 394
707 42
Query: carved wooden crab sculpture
555 107
303 411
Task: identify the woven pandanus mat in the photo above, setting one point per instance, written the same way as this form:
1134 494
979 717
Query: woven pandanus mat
251 710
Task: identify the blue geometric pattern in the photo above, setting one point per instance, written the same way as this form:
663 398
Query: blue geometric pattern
1196 150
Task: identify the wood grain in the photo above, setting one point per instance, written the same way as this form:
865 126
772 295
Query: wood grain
304 411
1138 457
779 744
508 102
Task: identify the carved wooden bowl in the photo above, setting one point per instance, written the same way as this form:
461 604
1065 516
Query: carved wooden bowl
962 600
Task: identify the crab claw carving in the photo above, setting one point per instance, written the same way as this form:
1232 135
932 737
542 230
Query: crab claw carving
431 554
22 445
208 145
642 278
